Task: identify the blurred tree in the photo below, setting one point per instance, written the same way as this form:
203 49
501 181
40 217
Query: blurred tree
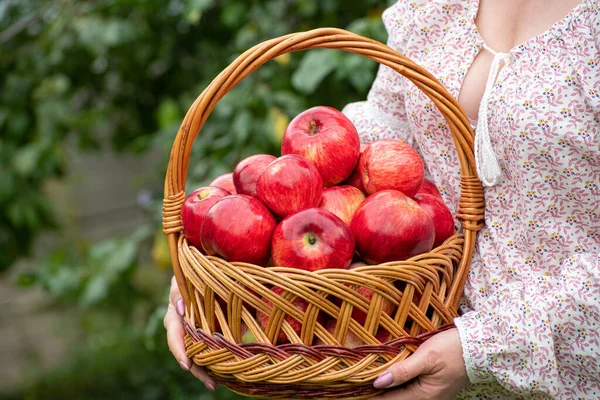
125 72
127 69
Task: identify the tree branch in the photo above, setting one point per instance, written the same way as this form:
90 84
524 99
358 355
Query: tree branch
18 27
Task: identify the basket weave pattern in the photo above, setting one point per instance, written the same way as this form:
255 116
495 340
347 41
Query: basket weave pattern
425 289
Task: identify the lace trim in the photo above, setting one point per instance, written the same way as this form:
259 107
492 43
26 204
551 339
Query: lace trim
386 119
475 373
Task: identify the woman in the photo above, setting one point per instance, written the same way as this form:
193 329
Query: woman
527 73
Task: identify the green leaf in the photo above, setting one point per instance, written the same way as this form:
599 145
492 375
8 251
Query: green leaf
360 27
360 71
154 324
371 27
122 256
63 282
234 15
314 67
26 279
308 7
242 123
97 33
195 9
95 291
18 124
168 113
7 185
99 252
4 114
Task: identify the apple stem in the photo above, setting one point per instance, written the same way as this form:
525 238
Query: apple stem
312 239
314 129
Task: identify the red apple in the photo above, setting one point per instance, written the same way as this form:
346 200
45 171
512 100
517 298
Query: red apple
194 209
343 201
311 240
290 184
391 164
301 304
327 138
443 222
429 187
224 181
356 179
390 226
246 173
387 306
383 335
238 228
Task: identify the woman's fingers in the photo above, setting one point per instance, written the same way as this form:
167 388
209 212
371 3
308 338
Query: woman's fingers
201 374
403 371
175 336
435 371
175 298
176 333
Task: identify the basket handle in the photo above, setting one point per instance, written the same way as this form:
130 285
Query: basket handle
471 206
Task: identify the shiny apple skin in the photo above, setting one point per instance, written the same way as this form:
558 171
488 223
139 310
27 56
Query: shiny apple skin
443 222
355 178
328 139
333 245
391 164
239 228
224 181
342 201
428 187
246 173
290 184
194 209
390 226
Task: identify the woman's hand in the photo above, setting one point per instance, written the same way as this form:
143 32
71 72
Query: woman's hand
176 333
435 371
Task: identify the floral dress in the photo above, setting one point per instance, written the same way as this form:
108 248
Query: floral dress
530 316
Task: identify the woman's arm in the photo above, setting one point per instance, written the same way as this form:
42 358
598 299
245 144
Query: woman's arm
541 336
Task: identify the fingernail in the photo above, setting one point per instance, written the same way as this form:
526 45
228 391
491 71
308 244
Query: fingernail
180 307
184 365
384 381
211 386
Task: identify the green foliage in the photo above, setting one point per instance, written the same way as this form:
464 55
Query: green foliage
94 274
120 368
123 73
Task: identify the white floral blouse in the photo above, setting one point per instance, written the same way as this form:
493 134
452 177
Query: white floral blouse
530 323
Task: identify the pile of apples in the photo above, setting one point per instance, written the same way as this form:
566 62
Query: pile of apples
326 202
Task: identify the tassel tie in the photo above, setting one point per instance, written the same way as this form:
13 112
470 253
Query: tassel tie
488 168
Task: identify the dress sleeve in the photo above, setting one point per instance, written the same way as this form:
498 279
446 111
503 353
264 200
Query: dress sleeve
543 335
382 115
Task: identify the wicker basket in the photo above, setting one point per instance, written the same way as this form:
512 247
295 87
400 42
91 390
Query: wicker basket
425 289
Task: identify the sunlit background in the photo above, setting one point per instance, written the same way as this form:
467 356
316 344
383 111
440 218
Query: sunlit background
91 96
